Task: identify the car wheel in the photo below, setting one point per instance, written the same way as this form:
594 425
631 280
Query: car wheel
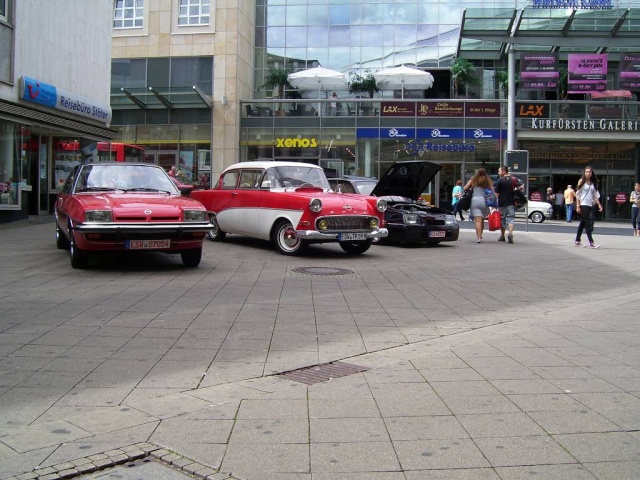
79 258
191 258
215 235
286 241
62 242
537 217
355 248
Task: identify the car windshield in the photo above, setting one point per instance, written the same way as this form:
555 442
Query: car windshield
127 177
365 188
297 176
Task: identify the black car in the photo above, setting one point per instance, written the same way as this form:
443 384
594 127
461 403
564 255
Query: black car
407 219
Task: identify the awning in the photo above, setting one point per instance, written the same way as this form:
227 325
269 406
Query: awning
159 98
485 33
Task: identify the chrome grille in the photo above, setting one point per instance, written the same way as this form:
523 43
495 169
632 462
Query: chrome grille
345 223
142 218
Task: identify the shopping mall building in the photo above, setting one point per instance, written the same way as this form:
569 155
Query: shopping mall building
195 83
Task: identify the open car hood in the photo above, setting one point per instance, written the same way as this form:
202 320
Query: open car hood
407 179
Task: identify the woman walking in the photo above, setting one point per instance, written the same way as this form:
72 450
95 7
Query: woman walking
456 193
635 203
586 197
479 210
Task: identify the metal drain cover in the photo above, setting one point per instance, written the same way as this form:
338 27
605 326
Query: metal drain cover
321 373
138 470
322 271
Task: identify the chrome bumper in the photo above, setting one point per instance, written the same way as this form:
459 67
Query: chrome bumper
142 227
316 235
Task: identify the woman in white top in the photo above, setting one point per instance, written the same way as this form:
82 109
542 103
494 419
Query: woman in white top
586 197
635 202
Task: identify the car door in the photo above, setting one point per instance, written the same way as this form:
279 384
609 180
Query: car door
244 205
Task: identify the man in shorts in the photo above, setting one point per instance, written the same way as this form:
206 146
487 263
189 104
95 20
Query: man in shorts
504 191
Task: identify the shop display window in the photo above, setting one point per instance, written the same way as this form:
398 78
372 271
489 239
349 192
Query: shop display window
12 168
66 155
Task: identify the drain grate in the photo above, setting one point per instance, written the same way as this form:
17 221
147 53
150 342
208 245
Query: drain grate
321 373
322 271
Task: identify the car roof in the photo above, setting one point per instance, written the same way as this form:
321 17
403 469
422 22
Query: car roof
261 164
354 178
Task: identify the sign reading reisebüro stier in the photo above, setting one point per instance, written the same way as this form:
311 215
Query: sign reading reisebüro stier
35 91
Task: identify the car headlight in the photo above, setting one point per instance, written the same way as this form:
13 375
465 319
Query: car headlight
195 215
411 218
381 205
323 224
449 219
374 223
98 216
315 205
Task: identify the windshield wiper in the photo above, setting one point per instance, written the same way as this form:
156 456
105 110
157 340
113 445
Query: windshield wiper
145 189
95 189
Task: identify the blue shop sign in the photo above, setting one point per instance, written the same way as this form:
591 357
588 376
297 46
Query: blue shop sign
443 133
35 91
397 132
483 134
367 133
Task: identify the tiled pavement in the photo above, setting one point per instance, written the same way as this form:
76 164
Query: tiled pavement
484 361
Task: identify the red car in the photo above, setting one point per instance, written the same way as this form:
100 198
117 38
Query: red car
127 206
292 205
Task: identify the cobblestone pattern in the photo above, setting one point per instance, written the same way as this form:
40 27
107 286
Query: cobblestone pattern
120 456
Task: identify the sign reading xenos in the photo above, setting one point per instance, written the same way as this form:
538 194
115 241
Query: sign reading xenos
296 143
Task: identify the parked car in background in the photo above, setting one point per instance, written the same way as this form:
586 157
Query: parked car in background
537 212
127 207
407 218
292 205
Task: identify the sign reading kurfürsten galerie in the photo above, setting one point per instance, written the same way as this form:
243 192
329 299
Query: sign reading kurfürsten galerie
560 124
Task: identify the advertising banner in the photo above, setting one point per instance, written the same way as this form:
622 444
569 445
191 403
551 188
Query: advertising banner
539 71
630 71
440 109
587 72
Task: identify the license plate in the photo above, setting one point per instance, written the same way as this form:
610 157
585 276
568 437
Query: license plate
352 236
438 234
147 244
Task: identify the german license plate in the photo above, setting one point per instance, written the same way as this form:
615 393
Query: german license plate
147 244
352 236
438 234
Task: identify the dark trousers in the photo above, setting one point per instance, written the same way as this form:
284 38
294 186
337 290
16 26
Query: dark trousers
586 224
634 217
456 210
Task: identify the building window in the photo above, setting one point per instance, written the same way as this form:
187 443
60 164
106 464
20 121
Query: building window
3 9
128 13
193 12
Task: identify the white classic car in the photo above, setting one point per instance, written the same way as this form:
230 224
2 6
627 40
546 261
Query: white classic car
537 212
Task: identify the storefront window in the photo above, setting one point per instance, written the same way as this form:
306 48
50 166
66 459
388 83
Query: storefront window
66 155
12 166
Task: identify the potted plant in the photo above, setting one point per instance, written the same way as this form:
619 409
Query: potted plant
277 79
462 74
360 84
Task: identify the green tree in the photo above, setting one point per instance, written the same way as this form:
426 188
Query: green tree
277 79
502 78
360 84
462 73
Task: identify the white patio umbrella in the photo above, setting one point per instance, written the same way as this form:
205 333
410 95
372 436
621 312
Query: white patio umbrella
318 78
403 77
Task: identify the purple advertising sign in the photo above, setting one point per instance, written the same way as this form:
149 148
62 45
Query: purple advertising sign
539 71
587 72
630 71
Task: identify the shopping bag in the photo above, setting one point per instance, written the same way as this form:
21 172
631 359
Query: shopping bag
495 221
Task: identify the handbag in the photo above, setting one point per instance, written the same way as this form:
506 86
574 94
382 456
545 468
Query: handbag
490 198
519 198
494 220
464 203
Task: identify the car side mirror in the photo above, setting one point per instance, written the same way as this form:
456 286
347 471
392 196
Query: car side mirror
185 190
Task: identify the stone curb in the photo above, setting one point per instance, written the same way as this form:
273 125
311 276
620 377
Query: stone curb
120 456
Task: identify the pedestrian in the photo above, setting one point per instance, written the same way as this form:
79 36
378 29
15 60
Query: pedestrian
558 204
635 208
569 200
456 193
504 191
172 171
550 198
479 182
334 104
586 197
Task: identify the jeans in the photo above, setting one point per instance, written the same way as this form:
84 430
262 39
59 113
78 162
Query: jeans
456 210
569 211
586 224
634 217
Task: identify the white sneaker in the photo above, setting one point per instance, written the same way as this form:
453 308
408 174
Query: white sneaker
593 245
